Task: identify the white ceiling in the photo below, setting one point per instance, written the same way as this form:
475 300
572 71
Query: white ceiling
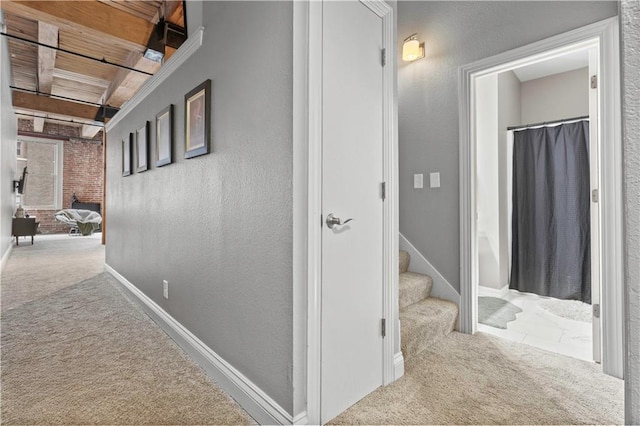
569 62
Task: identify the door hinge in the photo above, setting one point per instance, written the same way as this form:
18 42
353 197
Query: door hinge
594 81
596 310
595 196
384 191
384 327
321 221
384 57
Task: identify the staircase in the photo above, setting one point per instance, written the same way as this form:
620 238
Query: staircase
423 319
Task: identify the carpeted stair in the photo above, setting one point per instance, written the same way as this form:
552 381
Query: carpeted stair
423 319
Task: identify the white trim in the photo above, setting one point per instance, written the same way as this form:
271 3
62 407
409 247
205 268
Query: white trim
301 419
300 213
441 287
398 365
314 209
605 35
313 114
6 255
250 397
188 48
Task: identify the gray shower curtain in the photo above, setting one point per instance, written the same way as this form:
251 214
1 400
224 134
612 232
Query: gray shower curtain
551 218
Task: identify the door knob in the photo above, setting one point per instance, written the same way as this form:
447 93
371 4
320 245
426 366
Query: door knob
333 221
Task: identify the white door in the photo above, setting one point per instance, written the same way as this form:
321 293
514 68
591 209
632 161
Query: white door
352 173
594 162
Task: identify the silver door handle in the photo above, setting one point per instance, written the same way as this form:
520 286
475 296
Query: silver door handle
333 221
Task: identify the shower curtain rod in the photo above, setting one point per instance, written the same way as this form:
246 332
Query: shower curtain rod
544 123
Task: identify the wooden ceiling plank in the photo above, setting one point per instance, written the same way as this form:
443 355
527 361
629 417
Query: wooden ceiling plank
125 77
47 34
23 100
116 25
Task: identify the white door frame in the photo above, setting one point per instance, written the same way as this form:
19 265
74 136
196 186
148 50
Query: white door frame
308 140
605 36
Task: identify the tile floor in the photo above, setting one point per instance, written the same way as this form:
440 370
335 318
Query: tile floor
537 327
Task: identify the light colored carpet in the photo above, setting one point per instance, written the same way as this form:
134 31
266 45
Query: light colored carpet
413 288
569 309
424 323
496 312
84 354
482 379
52 263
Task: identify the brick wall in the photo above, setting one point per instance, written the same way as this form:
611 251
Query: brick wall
82 171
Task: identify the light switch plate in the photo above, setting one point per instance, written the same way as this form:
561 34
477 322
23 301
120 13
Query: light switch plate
418 181
434 179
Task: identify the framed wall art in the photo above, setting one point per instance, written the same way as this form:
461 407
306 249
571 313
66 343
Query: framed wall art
197 107
164 136
126 155
142 147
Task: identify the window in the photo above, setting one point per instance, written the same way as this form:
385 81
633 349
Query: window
43 159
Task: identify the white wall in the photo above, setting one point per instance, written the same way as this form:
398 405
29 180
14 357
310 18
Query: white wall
458 33
558 96
630 29
8 137
487 196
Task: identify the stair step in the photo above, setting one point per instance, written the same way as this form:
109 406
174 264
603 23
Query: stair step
404 259
414 288
424 323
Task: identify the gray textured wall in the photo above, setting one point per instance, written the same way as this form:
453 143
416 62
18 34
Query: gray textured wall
455 34
218 227
630 28
8 137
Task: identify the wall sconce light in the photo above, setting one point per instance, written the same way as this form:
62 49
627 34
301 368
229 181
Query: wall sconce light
412 49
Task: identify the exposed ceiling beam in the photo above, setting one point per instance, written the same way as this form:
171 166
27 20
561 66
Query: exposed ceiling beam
126 83
89 131
116 26
29 101
47 34
38 124
80 78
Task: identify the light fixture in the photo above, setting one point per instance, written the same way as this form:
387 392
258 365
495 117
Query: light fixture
412 49
156 43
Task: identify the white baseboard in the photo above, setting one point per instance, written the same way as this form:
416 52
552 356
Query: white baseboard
398 365
493 292
251 398
441 287
301 419
5 256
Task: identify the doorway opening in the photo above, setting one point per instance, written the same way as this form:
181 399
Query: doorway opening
537 229
599 42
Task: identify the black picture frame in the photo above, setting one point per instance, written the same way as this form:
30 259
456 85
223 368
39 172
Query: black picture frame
164 137
142 147
127 154
197 123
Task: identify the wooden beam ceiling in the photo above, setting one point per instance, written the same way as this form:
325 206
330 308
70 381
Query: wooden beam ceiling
47 34
29 101
38 124
88 131
116 26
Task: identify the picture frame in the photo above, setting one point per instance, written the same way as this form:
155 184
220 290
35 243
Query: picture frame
164 137
142 147
197 120
127 152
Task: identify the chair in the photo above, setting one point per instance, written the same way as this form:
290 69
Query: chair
85 221
24 227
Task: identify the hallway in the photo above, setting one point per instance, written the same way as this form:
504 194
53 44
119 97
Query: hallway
76 351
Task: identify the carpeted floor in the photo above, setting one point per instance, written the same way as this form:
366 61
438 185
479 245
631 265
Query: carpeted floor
76 351
82 353
482 379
